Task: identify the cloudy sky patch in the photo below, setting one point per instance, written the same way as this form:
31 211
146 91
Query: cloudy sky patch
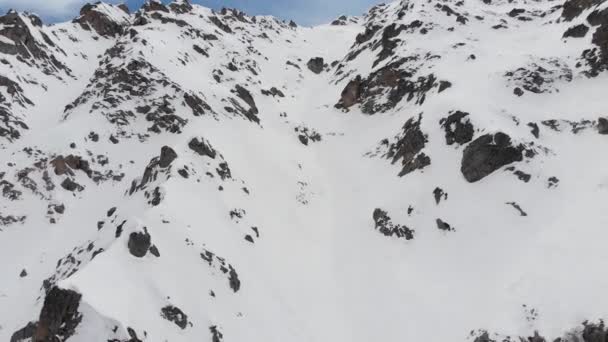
306 12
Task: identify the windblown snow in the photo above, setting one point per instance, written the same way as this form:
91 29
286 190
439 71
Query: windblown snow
430 170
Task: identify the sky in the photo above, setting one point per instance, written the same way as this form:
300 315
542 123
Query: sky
304 12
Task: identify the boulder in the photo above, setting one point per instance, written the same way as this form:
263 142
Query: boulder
602 125
316 65
139 243
487 154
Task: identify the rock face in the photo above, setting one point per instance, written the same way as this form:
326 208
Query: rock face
408 148
487 154
180 6
384 88
315 65
92 17
59 316
350 94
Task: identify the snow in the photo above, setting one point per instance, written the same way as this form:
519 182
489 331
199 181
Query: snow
319 271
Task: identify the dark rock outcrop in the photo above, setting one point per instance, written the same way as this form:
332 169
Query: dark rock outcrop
93 19
71 185
139 243
442 225
578 31
180 6
175 315
24 334
487 154
316 65
408 148
154 5
458 128
573 8
167 156
273 92
202 148
59 316
384 225
384 88
350 94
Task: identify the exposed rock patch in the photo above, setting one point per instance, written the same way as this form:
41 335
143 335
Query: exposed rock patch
385 226
487 154
458 128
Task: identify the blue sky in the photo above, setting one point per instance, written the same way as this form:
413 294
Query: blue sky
306 12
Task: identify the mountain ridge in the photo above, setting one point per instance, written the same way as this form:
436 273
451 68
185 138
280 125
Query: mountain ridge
178 174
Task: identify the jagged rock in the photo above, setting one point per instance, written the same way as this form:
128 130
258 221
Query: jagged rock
25 45
246 96
167 156
273 91
385 226
154 5
578 31
292 24
217 22
23 273
154 251
98 20
202 148
370 31
139 243
180 6
316 65
598 17
458 128
175 315
573 8
59 316
487 154
351 93
408 148
602 125
386 87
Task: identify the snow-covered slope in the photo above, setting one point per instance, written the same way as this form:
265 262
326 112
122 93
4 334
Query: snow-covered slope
431 170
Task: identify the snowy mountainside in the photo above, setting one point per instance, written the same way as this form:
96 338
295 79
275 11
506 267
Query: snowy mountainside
429 170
